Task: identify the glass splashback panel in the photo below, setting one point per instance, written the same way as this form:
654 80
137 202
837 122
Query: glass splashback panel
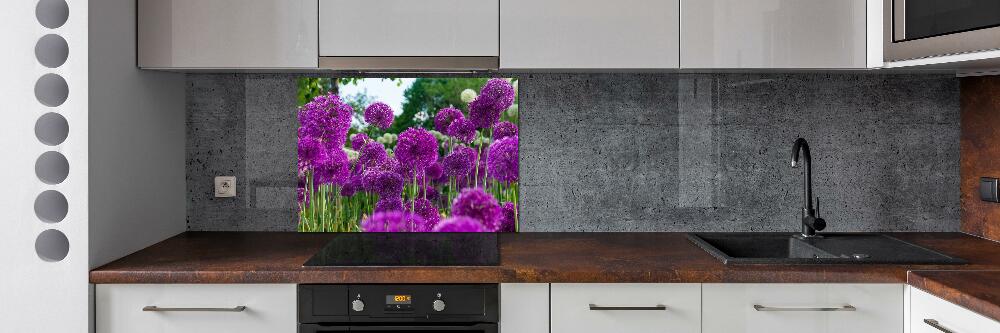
408 154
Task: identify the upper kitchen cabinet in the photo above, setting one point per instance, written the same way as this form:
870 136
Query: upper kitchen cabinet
408 34
780 34
193 34
589 34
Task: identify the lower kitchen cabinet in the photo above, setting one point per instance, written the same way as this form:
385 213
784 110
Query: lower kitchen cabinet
524 308
625 307
802 308
930 314
195 308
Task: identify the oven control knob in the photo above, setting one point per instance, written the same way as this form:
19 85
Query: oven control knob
358 305
438 305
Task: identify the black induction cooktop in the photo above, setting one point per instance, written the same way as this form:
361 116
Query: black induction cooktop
409 249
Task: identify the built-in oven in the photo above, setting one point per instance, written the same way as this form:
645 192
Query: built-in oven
387 308
916 29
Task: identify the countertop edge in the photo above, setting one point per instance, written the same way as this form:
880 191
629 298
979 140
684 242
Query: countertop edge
941 283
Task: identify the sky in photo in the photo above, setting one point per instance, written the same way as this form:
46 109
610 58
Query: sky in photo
382 90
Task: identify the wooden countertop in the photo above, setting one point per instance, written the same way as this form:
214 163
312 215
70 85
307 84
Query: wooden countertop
277 257
273 257
974 290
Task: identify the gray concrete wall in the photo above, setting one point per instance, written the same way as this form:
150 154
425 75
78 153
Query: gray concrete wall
641 152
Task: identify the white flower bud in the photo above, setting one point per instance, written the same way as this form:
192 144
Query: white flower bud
468 95
352 154
512 111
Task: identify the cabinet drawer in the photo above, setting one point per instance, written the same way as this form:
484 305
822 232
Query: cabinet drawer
802 308
268 308
946 315
622 307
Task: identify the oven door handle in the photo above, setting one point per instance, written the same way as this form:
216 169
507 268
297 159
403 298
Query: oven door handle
485 328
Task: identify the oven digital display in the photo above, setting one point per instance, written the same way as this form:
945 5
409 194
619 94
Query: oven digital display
398 299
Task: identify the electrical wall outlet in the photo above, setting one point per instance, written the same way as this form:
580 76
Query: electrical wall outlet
225 187
988 189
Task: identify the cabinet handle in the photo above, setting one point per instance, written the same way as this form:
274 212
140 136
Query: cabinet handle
848 307
154 308
595 307
935 324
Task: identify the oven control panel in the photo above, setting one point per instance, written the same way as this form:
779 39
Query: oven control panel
399 303
400 307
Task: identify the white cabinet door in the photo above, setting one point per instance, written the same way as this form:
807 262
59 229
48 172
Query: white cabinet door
270 308
930 314
626 308
773 34
524 308
409 28
227 33
802 308
571 34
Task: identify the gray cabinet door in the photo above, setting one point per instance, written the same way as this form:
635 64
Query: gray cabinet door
409 28
773 34
228 33
589 34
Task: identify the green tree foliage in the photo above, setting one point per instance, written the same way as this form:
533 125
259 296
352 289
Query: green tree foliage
310 87
426 96
422 101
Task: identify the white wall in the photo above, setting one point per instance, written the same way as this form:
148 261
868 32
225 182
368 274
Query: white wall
137 191
124 187
38 295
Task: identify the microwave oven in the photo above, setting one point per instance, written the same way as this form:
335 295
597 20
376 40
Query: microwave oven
915 29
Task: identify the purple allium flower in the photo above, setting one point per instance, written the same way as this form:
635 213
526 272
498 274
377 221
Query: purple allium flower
379 114
462 130
459 224
332 167
389 204
429 192
444 118
502 162
500 91
496 96
509 221
310 149
397 221
481 113
460 161
426 210
350 187
390 164
504 129
434 171
359 140
303 195
477 204
417 148
372 153
327 118
384 183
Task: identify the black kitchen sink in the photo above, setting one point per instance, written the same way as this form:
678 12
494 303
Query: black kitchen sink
831 248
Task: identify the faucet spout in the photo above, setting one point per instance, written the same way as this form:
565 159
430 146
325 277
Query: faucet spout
810 222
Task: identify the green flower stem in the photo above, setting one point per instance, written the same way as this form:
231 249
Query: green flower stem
486 172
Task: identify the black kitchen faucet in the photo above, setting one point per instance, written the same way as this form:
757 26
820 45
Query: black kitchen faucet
810 221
